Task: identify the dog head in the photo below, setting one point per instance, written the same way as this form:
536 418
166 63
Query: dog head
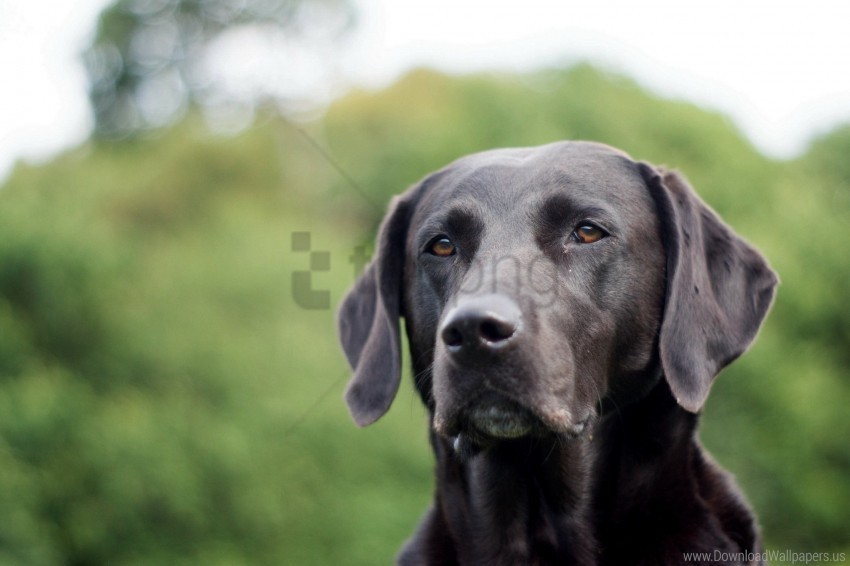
537 284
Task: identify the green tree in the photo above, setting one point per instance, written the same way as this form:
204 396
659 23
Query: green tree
164 400
144 64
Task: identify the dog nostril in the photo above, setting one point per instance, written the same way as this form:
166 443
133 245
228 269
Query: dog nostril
480 325
496 330
452 337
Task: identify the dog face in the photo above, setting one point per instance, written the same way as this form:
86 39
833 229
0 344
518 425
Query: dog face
535 283
539 284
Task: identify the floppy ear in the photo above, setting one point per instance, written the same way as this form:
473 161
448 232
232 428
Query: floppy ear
719 289
368 321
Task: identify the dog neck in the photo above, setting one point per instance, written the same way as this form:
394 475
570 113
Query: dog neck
543 500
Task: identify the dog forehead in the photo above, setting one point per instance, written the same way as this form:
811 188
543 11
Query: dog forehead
512 180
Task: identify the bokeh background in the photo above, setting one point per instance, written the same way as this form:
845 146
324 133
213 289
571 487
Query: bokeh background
166 397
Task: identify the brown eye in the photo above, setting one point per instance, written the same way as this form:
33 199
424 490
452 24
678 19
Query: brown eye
442 247
588 233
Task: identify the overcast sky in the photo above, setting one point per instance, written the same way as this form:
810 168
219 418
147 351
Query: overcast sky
781 70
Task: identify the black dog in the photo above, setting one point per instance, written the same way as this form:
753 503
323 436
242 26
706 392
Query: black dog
567 309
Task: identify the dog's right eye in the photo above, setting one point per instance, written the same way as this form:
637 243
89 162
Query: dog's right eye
588 233
441 247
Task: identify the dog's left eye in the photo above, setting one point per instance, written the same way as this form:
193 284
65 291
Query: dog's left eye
441 247
588 234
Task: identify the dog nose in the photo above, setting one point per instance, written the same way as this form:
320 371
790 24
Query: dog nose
480 324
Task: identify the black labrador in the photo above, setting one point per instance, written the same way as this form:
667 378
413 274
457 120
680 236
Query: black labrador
567 309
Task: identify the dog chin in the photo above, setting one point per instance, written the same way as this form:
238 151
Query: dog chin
493 420
502 420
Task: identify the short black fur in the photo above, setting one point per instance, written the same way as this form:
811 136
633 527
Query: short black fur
563 378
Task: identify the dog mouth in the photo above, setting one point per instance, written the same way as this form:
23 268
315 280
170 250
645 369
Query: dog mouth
496 418
501 419
490 419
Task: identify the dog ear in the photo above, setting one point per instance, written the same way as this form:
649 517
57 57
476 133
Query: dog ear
719 289
368 320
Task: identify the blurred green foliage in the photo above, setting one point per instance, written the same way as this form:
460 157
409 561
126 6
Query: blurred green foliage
145 63
164 400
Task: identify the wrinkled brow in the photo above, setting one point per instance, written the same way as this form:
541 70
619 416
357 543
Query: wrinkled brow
460 220
556 211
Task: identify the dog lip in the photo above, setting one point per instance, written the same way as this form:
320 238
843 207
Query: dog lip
501 418
563 422
497 417
494 417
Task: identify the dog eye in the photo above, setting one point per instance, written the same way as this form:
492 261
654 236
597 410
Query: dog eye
588 233
441 247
